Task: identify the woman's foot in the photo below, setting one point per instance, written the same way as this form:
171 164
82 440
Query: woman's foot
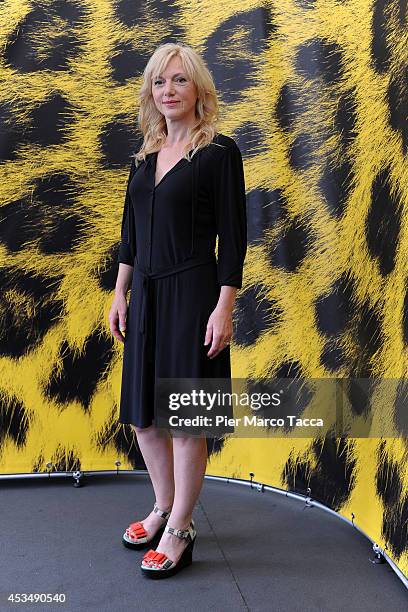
157 564
171 545
140 533
153 522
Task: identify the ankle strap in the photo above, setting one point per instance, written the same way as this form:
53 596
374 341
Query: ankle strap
163 513
188 533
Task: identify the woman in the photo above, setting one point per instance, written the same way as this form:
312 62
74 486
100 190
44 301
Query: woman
185 187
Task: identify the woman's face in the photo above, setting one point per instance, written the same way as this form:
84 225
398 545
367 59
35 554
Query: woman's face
174 86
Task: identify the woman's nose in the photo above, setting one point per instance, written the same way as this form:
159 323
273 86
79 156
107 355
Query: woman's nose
169 88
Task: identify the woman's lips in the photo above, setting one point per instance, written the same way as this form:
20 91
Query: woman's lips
170 103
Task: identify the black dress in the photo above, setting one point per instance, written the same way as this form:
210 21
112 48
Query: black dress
169 236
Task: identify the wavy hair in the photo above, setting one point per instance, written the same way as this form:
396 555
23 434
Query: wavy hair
152 122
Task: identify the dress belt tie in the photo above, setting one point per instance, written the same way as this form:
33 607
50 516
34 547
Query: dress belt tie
148 276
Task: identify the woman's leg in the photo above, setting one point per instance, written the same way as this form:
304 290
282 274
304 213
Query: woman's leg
157 450
190 461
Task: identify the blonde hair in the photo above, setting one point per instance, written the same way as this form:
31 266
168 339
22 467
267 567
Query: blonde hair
151 121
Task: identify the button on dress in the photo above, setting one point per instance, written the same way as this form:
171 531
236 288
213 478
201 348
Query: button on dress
168 235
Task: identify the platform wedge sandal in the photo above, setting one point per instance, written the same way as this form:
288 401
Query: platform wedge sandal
136 536
158 565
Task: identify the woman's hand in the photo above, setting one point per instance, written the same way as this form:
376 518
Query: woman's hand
219 330
117 316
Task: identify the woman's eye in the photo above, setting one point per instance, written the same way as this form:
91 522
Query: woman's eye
159 81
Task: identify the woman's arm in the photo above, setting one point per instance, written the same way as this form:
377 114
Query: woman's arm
124 279
230 213
219 327
126 254
118 311
227 298
230 216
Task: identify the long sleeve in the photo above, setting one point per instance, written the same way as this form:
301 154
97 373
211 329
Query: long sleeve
231 218
127 244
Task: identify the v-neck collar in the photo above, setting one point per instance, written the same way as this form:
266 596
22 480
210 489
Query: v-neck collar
168 171
172 169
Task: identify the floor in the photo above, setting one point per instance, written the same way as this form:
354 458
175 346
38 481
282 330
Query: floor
255 551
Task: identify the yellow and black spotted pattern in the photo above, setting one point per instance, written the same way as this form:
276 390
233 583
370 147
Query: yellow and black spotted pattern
316 96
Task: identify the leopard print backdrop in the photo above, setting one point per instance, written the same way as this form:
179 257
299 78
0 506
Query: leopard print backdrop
315 94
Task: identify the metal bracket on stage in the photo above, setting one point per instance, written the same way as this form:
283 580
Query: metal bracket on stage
77 477
308 499
378 555
259 485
